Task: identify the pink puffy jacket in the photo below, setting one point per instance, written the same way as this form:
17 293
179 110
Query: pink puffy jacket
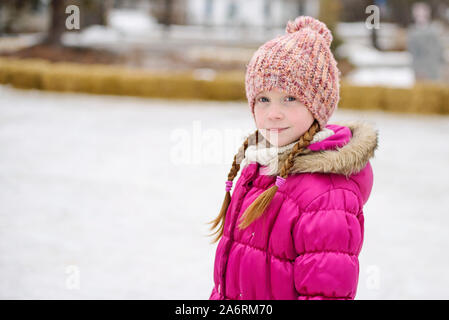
306 244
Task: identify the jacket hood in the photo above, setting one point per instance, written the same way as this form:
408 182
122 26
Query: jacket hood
345 152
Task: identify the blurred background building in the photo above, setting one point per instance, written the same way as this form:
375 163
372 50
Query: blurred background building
217 34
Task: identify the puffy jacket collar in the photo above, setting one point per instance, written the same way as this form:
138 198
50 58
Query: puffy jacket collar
345 152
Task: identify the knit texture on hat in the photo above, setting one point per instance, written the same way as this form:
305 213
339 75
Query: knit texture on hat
299 63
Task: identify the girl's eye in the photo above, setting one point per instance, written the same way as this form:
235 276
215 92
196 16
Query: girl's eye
265 99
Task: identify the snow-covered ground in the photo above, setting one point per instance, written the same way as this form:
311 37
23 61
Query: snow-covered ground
96 203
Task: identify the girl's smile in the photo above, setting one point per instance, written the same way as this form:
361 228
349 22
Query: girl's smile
277 129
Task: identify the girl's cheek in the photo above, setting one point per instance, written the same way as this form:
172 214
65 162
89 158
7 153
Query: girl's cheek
259 117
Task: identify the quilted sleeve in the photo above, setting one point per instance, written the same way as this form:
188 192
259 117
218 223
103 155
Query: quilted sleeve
328 237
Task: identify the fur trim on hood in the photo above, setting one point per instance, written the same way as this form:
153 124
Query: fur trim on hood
346 160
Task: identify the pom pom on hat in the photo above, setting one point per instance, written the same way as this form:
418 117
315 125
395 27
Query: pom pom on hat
303 22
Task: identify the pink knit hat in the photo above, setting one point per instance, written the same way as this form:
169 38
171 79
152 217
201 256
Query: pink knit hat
299 63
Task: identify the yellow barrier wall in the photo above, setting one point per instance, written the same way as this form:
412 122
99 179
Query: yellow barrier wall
103 79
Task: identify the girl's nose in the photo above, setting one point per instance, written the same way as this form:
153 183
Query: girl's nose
275 112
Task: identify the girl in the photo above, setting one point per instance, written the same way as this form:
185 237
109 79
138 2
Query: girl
294 226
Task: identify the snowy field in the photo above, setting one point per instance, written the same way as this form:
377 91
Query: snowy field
108 197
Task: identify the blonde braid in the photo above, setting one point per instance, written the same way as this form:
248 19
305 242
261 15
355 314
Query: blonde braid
220 219
257 208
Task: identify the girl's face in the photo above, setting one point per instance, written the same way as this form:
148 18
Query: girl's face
274 110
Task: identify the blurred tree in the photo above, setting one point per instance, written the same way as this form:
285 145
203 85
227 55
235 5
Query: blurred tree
11 11
402 12
330 15
208 12
374 38
232 13
168 12
57 22
267 14
395 10
168 8
91 12
301 7
354 10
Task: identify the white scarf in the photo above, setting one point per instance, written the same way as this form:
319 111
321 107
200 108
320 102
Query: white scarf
268 156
